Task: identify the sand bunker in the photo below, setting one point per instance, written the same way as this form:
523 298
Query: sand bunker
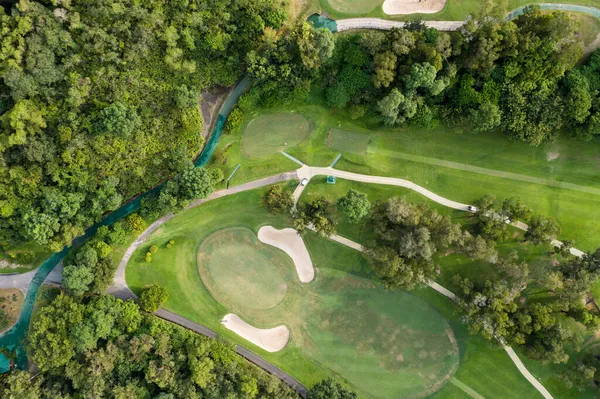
292 244
395 7
271 340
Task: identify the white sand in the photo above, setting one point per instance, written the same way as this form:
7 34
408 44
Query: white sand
394 7
292 244
271 340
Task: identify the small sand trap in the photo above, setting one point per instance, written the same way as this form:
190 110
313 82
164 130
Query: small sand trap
271 340
395 7
292 244
551 156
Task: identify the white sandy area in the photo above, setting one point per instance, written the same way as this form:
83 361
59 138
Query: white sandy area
395 7
271 340
292 244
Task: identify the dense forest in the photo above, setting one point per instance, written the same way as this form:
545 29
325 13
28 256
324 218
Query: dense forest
99 101
519 76
107 348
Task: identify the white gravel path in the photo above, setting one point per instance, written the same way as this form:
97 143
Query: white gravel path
292 244
271 340
384 24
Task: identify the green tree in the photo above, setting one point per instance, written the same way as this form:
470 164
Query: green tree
152 297
277 200
329 389
542 230
355 205
20 385
117 119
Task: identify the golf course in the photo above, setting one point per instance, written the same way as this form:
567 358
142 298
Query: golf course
313 199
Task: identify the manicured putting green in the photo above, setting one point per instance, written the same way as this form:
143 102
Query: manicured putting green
241 271
355 143
269 134
354 6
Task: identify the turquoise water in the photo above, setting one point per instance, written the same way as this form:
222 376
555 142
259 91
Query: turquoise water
13 338
320 21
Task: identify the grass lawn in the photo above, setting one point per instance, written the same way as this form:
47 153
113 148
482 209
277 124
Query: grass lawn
454 10
271 134
557 179
343 278
383 344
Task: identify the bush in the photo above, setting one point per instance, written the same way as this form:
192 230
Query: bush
221 155
216 175
103 249
170 243
354 205
148 258
136 224
117 234
152 297
153 249
234 119
278 200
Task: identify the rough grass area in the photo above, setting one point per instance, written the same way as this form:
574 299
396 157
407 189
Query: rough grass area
270 134
383 344
241 272
11 302
355 143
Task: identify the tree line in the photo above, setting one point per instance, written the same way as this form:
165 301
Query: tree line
518 76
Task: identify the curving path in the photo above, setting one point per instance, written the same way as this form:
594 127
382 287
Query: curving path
120 288
384 24
449 294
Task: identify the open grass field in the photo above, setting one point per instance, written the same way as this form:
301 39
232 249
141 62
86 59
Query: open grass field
557 179
271 134
383 344
338 338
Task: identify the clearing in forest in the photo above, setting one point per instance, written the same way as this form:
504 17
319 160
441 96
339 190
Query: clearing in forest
269 134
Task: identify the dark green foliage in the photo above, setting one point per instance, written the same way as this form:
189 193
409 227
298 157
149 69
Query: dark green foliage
317 215
278 200
152 297
407 238
117 119
192 183
355 205
109 348
329 389
99 101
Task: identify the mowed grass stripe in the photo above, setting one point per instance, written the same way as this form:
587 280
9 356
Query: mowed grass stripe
484 171
465 388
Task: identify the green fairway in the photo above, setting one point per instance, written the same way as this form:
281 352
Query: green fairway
354 6
455 10
271 134
557 179
384 344
354 143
